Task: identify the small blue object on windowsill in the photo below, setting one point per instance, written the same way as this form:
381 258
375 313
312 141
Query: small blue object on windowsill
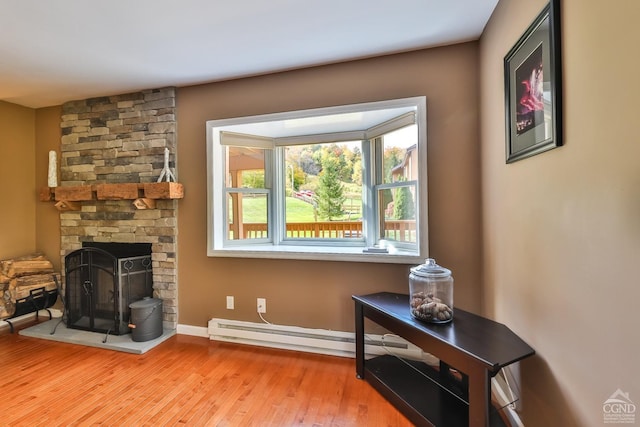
375 250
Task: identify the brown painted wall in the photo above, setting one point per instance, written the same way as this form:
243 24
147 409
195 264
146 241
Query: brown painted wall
562 229
47 216
17 180
317 293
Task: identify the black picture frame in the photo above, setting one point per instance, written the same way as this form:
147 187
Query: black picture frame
533 88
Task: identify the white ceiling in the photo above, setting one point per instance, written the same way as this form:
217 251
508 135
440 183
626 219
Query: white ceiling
322 121
56 51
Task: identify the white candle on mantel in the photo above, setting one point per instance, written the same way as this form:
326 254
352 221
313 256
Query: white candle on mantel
53 172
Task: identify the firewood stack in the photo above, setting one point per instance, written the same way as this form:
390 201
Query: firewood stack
19 276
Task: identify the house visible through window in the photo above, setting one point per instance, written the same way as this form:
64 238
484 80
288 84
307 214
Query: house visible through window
343 183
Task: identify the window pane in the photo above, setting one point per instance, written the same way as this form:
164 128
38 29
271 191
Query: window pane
245 167
323 189
397 207
247 216
400 161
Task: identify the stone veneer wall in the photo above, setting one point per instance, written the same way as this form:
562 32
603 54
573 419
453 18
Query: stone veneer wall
122 139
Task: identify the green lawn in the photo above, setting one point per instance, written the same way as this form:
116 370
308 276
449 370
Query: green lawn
299 211
254 210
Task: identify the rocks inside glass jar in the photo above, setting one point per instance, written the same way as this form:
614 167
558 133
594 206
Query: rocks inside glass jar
426 306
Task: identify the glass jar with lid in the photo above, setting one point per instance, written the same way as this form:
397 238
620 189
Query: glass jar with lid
431 292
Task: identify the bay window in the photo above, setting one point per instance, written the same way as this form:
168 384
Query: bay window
340 183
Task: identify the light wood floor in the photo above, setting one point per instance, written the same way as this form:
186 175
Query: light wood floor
188 381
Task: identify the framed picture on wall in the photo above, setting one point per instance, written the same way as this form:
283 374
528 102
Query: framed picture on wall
533 88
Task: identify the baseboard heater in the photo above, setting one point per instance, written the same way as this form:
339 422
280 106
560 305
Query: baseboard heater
322 341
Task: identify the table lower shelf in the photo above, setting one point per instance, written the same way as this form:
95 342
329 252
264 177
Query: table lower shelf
413 388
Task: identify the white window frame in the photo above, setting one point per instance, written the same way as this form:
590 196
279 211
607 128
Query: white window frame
278 246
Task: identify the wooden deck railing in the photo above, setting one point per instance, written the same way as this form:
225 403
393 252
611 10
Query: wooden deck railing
399 230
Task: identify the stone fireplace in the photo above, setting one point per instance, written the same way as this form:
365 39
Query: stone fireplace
122 139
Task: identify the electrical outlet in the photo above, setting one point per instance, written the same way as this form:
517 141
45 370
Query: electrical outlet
230 303
262 305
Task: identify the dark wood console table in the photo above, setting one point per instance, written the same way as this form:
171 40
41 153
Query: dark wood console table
474 346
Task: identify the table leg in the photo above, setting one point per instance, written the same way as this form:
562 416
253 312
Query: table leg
359 341
479 398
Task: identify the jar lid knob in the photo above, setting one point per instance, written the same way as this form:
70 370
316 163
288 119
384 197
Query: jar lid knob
431 269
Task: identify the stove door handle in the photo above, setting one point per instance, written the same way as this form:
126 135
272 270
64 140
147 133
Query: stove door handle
88 287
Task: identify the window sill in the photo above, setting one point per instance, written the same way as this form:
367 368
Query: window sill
317 253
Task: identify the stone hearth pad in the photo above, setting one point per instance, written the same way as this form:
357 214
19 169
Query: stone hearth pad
122 343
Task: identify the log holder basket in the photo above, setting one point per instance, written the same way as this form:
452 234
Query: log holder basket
38 299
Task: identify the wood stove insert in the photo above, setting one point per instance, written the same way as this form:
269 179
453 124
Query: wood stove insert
101 280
